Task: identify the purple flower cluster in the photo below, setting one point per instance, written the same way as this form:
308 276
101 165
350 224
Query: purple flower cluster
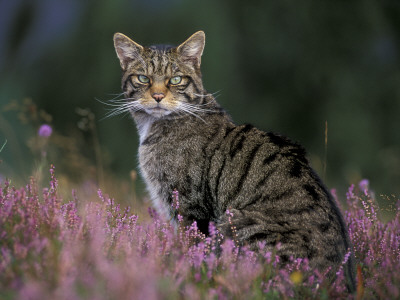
45 131
56 249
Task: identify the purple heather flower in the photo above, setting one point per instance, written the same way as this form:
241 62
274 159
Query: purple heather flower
350 192
364 186
229 213
175 200
45 130
212 229
180 218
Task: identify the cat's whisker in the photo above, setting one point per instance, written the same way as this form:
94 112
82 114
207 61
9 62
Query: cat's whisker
115 102
208 94
193 114
186 110
115 113
179 113
115 98
120 107
122 100
126 107
117 95
203 104
195 107
124 114
109 104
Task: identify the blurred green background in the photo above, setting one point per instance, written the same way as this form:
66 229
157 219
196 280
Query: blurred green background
284 66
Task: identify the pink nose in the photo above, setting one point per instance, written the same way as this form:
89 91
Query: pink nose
158 96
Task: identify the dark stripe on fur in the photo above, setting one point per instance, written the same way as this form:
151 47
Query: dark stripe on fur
245 173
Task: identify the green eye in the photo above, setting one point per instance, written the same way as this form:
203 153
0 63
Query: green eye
143 79
175 80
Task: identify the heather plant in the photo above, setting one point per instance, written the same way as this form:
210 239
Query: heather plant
54 248
376 243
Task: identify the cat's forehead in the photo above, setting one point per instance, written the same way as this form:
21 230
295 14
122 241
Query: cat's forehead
160 53
161 48
159 60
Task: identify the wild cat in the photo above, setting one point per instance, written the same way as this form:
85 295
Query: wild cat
189 143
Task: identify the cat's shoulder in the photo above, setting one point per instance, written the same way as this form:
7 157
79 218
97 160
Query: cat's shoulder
283 142
274 139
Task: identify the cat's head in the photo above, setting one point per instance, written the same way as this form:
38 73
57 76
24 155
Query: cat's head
161 80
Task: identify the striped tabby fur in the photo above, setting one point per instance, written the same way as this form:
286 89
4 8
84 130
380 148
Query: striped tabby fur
189 143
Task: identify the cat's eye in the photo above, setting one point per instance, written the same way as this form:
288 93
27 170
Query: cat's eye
143 79
175 80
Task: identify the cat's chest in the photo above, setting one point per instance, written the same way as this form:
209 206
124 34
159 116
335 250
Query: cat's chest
165 154
168 156
175 150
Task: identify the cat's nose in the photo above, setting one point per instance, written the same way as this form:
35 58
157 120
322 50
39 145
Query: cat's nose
158 97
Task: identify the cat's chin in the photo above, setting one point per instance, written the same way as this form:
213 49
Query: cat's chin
157 112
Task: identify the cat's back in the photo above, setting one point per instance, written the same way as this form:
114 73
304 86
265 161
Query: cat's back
257 164
266 172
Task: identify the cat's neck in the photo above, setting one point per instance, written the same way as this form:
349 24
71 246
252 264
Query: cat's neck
143 122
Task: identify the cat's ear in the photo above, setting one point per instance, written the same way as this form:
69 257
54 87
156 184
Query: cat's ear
192 49
127 50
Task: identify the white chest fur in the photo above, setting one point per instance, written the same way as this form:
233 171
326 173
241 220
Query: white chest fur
147 166
144 129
